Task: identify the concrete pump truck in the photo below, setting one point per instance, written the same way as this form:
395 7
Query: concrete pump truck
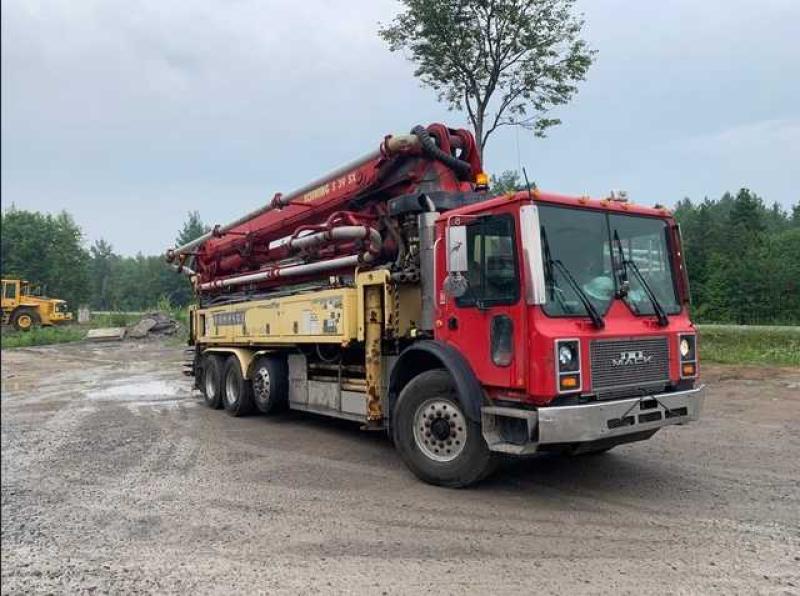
397 292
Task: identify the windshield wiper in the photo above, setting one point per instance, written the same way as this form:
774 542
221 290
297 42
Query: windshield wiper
623 286
549 261
597 319
663 320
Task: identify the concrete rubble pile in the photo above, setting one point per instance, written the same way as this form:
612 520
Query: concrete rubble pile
151 324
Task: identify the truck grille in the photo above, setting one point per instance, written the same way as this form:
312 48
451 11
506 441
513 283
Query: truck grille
629 363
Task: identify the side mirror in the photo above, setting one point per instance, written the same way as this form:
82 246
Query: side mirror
456 284
457 249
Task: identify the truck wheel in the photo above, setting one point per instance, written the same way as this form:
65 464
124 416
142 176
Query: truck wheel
436 441
25 318
237 394
270 384
211 381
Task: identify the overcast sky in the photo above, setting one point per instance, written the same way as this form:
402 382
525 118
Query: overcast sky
129 114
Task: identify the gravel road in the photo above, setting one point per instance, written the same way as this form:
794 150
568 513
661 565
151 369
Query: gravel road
115 478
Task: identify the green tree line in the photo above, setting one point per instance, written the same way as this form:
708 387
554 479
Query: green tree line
743 259
50 250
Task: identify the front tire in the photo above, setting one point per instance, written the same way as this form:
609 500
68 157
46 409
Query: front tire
435 439
211 381
25 319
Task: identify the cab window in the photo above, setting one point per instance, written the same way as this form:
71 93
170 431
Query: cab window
10 291
492 273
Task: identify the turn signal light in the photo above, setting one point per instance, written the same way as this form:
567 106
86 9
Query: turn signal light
688 370
569 382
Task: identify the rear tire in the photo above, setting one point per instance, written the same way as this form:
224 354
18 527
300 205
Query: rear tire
435 439
237 396
211 381
25 319
270 382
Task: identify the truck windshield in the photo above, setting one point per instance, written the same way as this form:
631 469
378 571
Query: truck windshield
585 241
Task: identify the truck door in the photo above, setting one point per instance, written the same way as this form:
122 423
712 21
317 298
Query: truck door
486 322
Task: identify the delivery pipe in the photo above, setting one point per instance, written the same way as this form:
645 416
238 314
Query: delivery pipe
278 272
338 234
184 269
282 272
391 146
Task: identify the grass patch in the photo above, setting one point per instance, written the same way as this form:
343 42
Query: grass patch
40 336
746 344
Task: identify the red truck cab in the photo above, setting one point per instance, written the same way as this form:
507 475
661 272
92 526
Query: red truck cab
572 314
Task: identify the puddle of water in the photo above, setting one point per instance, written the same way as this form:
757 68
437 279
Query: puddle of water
150 392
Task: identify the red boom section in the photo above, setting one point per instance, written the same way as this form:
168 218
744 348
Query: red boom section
341 215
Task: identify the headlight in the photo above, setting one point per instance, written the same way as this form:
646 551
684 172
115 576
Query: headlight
687 346
565 356
568 355
568 365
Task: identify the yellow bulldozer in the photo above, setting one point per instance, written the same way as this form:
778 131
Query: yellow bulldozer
25 306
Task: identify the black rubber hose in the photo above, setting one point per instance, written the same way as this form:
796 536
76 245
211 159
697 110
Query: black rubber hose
462 168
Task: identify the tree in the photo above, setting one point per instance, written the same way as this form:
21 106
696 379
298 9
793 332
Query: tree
796 216
783 259
46 249
508 181
68 260
102 269
505 62
178 289
193 228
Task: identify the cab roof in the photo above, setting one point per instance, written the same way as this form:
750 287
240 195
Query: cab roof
600 204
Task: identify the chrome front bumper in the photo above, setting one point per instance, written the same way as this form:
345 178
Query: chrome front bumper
590 422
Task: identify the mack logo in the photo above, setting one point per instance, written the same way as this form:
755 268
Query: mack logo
631 358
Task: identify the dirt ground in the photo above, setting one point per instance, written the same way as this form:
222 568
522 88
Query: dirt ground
115 478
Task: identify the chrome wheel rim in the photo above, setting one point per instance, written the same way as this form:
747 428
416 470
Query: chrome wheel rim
261 385
231 389
440 430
